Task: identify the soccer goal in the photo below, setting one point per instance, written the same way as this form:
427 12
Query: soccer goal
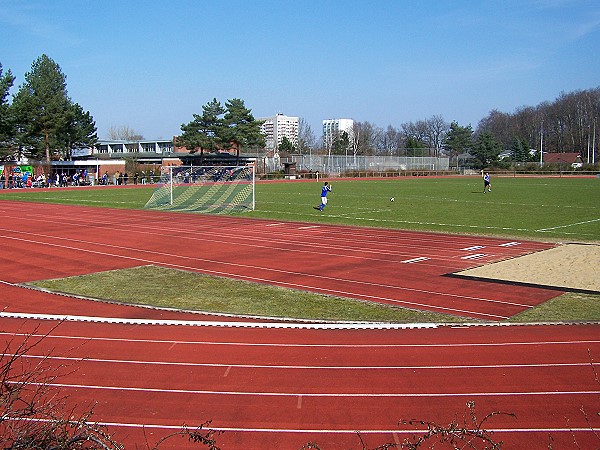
207 189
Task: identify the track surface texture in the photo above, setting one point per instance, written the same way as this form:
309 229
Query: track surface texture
269 384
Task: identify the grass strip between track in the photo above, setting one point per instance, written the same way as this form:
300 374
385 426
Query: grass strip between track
169 288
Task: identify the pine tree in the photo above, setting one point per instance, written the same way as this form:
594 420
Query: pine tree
7 131
203 132
42 107
240 129
486 150
232 126
79 131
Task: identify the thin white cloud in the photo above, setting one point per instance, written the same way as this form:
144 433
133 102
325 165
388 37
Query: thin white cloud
583 29
34 20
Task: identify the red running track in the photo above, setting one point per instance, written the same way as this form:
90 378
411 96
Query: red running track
389 266
270 385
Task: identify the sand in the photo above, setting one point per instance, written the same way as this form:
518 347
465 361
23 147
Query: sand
569 266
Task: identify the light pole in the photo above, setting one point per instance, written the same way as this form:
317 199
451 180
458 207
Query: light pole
542 144
588 145
594 143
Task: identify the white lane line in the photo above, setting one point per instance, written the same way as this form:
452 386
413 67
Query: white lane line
414 260
475 256
315 394
353 431
475 247
509 244
229 366
306 345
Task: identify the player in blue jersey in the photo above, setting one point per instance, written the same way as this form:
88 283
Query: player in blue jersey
487 185
324 191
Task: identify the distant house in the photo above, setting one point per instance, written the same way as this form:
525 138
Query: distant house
571 159
506 154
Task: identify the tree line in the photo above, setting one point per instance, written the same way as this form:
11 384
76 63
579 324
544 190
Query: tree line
568 124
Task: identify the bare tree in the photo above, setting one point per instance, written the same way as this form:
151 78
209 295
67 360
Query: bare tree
33 414
306 137
416 131
390 141
366 137
123 133
437 129
566 125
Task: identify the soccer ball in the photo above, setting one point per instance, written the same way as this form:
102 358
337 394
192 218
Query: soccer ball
392 199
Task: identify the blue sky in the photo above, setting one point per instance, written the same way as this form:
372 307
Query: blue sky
151 65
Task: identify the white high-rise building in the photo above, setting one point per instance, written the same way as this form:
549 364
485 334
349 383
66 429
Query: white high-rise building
277 127
333 127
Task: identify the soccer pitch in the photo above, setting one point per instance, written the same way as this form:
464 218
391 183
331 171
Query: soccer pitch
557 209
553 209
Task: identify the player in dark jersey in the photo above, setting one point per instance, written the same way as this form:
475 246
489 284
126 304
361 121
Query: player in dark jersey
487 185
324 191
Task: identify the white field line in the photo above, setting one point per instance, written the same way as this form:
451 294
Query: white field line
568 225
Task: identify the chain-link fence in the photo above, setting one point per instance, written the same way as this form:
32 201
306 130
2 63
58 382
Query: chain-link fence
338 164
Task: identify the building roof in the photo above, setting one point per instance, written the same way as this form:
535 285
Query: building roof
562 158
217 158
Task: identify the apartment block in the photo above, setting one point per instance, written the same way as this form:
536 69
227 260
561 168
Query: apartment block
276 128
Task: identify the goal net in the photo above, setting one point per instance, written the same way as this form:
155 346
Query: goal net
207 189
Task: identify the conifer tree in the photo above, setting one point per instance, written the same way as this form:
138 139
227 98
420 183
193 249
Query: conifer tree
6 122
42 107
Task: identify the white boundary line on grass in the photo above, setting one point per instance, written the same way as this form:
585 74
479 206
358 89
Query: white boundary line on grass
569 225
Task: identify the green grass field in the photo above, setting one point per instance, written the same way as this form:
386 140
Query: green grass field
542 209
549 209
554 209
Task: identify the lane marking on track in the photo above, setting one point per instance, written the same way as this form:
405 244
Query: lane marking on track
509 244
313 394
475 256
323 431
343 431
309 227
306 345
414 260
475 247
229 366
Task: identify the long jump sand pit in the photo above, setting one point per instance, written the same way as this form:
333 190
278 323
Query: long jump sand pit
574 267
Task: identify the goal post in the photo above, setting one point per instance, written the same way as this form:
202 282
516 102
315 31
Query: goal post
207 189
